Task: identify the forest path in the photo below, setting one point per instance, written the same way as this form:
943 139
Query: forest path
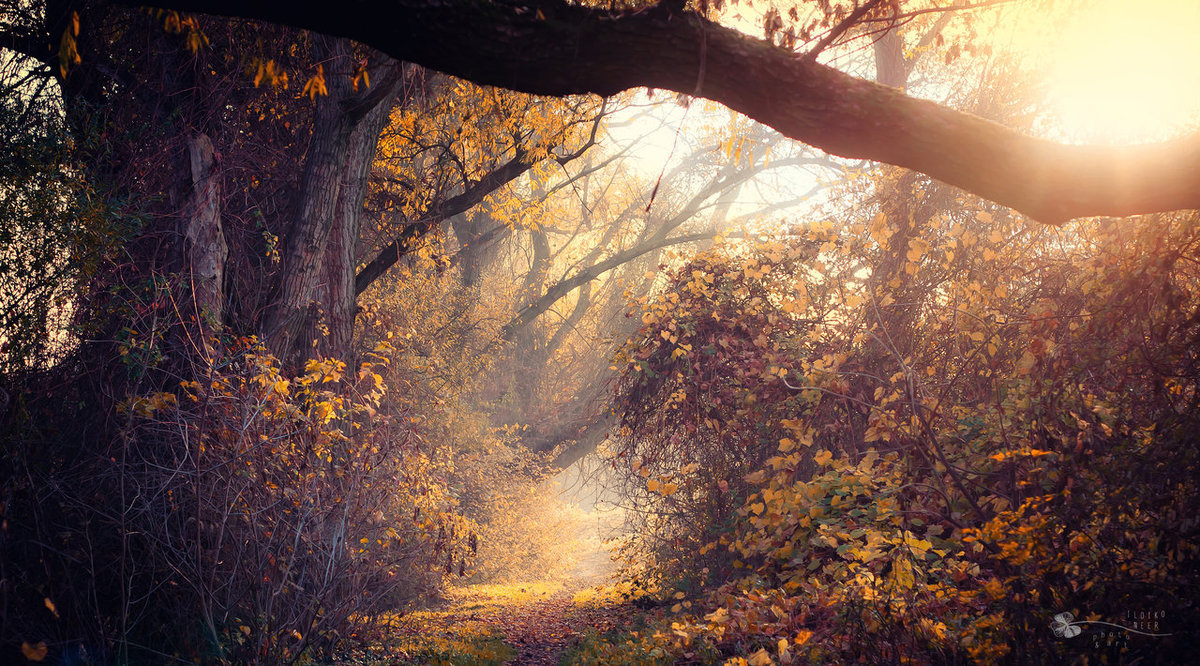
542 630
523 624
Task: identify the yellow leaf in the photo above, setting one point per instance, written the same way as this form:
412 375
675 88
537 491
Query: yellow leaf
1026 363
718 616
903 574
879 229
786 445
669 489
761 658
316 84
756 477
994 589
652 485
823 457
917 249
803 636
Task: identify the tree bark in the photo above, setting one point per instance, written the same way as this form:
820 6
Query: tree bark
304 246
337 290
206 250
553 48
334 159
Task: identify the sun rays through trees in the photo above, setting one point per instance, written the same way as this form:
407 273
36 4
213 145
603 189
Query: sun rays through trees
721 332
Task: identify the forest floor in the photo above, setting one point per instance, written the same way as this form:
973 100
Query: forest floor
528 624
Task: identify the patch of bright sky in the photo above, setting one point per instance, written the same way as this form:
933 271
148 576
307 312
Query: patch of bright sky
1115 71
651 130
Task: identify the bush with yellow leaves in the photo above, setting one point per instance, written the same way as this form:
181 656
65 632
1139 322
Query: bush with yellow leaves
966 428
284 512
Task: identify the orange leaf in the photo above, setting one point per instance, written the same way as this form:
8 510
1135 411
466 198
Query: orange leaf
35 652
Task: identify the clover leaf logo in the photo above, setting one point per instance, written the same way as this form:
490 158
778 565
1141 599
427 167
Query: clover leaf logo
1064 626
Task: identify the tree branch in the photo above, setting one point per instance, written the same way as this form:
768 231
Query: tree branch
530 312
837 31
564 49
461 203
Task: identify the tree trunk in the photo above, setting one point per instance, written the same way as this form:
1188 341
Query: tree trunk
345 131
304 246
205 248
337 291
891 67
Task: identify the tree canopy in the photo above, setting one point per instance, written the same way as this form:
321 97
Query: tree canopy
551 47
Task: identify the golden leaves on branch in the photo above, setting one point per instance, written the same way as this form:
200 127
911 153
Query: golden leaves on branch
315 84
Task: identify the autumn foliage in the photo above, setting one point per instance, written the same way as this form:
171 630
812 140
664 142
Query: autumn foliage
294 337
939 429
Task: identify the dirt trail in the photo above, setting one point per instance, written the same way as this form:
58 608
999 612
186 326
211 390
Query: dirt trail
541 631
537 622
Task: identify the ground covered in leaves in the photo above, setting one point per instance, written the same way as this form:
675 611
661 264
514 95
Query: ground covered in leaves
531 623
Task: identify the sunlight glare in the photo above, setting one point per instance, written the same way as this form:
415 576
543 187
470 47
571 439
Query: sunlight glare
1125 70
651 130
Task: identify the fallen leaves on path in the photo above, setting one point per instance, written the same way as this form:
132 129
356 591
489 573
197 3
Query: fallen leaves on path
531 624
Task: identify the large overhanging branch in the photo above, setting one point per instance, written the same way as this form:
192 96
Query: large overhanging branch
552 48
